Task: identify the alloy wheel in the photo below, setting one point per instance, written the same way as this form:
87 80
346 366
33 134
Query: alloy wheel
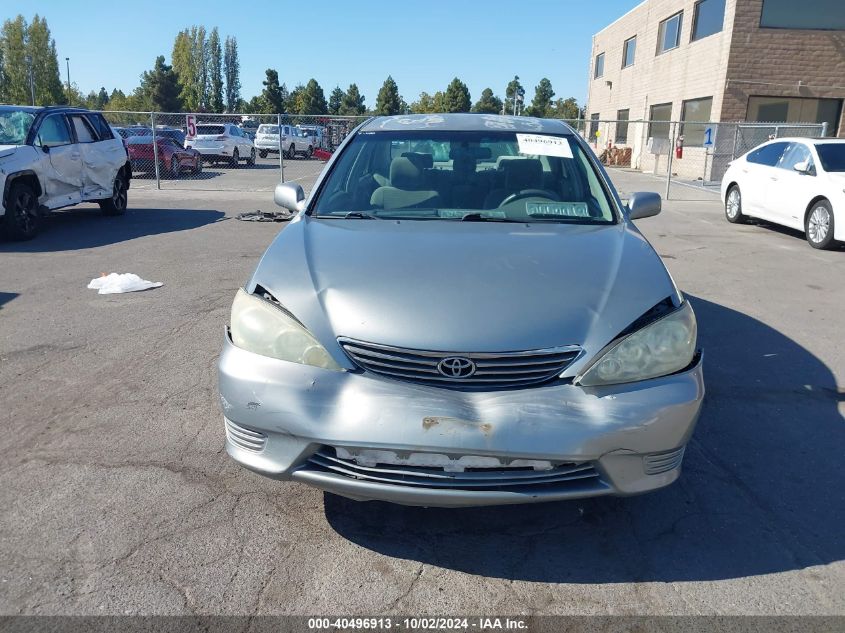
819 224
733 204
25 211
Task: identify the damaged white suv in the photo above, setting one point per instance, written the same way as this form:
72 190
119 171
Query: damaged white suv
55 157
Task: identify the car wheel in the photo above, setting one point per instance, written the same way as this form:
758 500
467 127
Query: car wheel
198 166
733 206
310 152
21 221
292 151
116 205
175 167
819 225
262 153
235 157
251 160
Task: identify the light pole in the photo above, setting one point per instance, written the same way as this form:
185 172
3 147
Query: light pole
67 61
31 79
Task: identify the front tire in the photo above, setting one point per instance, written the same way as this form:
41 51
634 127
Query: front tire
262 153
733 206
21 221
251 160
235 157
818 226
116 205
291 152
310 152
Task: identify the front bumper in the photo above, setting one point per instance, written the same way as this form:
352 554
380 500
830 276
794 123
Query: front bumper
296 411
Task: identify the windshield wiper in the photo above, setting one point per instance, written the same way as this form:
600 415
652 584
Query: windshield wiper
480 217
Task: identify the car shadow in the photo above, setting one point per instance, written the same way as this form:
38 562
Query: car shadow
205 174
5 297
789 232
761 491
86 227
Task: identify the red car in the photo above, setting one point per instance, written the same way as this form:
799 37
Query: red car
173 159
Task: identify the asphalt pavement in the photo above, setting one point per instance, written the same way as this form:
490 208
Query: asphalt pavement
118 496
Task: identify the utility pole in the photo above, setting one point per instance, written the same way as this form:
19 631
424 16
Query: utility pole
67 61
31 79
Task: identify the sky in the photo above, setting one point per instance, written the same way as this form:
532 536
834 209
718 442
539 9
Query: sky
423 45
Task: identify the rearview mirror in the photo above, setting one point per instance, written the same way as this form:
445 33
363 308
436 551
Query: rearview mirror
644 204
290 196
803 167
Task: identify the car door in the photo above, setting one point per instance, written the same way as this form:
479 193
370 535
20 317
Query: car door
101 157
791 191
62 177
758 174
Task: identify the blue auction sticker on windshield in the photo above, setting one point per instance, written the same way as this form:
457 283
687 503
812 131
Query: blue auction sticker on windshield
562 209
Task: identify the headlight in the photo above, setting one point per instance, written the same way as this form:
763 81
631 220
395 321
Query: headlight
660 348
260 327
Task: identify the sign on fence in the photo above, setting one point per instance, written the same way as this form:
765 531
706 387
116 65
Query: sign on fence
191 124
709 137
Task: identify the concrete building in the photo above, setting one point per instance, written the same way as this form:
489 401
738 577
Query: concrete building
715 60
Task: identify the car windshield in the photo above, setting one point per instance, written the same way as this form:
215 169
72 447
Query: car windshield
14 126
473 176
832 156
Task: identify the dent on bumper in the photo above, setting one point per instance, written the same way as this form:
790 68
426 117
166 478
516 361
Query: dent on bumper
301 409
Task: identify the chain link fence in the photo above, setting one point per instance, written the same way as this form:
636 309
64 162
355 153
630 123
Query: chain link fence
228 152
682 153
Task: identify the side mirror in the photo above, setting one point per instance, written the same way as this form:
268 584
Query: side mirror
644 204
45 148
803 167
290 196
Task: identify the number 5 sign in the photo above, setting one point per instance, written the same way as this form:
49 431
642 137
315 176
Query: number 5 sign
191 124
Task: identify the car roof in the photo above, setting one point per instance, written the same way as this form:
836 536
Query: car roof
815 140
39 109
467 122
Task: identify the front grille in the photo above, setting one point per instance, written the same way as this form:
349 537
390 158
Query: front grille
245 438
493 370
520 478
657 463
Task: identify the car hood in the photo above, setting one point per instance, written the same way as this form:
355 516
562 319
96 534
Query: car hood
8 150
463 286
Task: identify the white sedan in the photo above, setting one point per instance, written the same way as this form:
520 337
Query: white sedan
796 182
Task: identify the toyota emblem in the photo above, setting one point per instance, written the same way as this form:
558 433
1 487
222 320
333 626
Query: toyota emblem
456 367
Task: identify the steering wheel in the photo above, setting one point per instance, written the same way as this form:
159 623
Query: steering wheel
530 193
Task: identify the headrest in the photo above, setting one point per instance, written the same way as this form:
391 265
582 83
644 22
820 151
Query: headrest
525 173
403 173
422 161
463 165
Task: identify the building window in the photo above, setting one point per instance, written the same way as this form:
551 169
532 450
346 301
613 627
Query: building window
825 15
622 127
695 114
669 33
796 110
629 51
659 126
594 126
599 70
708 18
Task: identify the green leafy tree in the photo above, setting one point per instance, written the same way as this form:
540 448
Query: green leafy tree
272 100
488 103
117 100
457 98
312 100
24 49
424 104
161 87
183 65
566 109
232 73
215 72
199 47
294 102
15 67
45 64
388 100
511 92
541 104
336 100
102 99
353 102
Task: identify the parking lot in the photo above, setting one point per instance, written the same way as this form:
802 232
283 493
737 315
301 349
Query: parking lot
118 495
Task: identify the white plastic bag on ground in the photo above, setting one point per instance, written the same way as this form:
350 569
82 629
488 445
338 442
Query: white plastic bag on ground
121 282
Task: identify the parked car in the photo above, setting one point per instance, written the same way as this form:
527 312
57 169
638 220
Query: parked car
173 159
222 142
316 135
171 132
54 157
451 333
794 182
293 141
134 130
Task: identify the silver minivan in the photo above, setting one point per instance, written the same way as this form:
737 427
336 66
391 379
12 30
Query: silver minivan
462 313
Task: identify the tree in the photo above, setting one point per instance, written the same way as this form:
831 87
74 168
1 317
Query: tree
273 102
388 100
513 91
45 63
294 100
15 67
102 99
566 109
28 49
199 52
215 72
457 97
428 104
353 102
542 102
161 87
336 100
488 103
312 100
232 72
183 66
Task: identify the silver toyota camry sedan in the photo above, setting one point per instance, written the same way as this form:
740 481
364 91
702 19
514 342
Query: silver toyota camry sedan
462 313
